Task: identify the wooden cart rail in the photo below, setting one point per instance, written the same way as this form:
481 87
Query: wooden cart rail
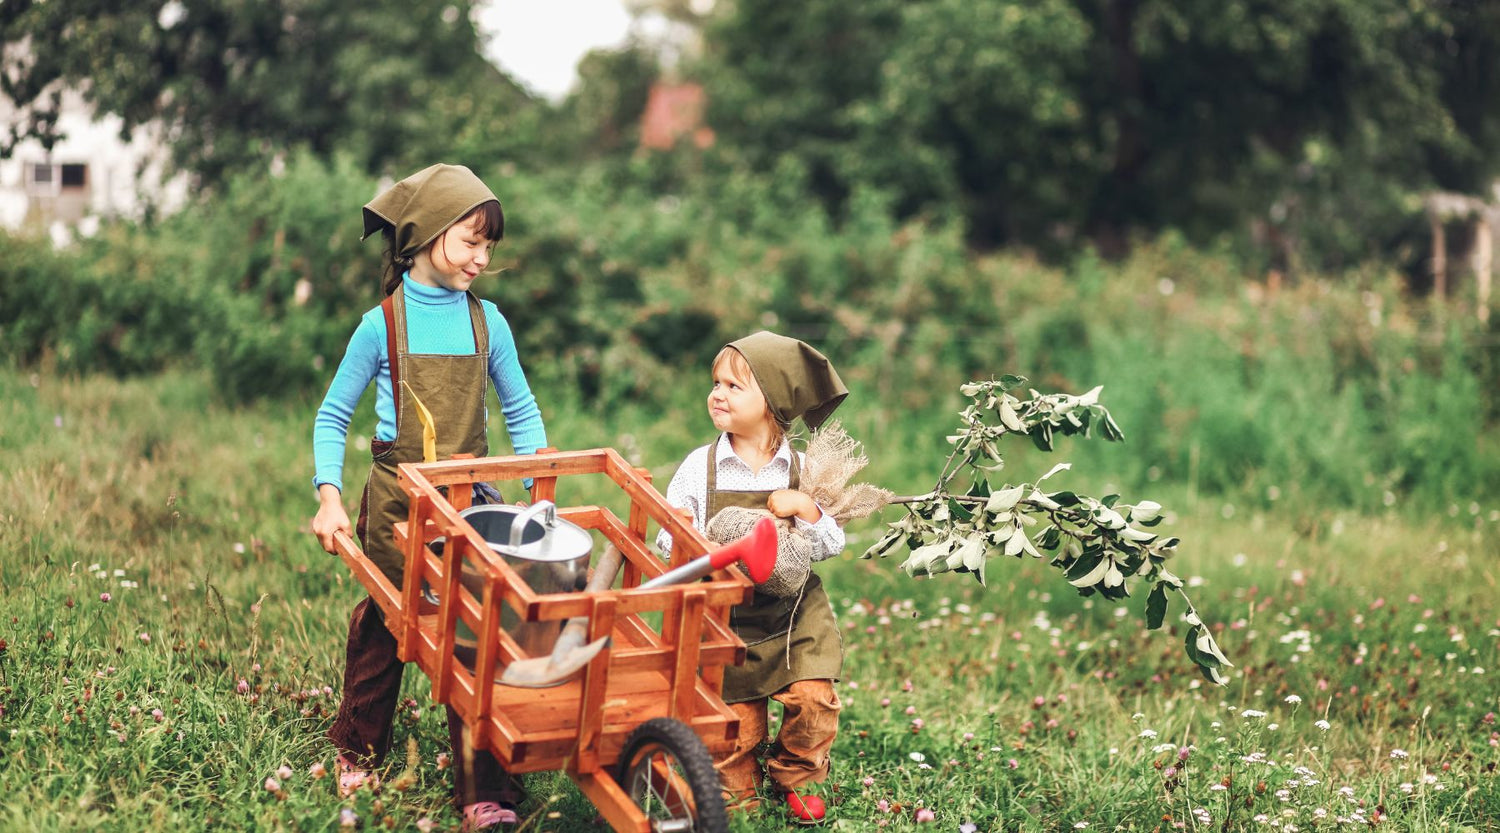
674 671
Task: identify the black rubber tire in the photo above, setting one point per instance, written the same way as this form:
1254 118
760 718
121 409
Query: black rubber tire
673 743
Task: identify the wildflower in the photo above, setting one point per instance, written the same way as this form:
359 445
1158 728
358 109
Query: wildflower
348 818
442 760
925 815
1252 714
273 786
1169 773
917 724
1323 724
104 597
1293 699
911 710
1013 763
968 827
968 736
284 772
1184 752
917 756
1148 733
317 770
1399 754
883 806
868 782
1407 787
425 825
243 686
1080 825
884 702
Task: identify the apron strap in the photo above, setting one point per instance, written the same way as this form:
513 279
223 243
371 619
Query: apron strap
392 356
713 474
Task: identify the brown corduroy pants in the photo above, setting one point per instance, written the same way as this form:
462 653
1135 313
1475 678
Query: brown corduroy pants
372 689
799 755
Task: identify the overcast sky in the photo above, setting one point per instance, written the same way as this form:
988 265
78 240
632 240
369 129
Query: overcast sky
539 42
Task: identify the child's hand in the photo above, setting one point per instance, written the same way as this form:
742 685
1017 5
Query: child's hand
331 518
786 503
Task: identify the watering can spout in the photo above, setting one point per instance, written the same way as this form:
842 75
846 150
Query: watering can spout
757 551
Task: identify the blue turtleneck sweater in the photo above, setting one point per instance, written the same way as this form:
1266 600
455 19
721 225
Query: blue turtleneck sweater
437 322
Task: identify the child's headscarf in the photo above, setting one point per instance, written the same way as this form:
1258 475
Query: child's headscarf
423 205
796 379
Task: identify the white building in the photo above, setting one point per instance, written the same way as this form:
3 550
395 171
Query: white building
90 174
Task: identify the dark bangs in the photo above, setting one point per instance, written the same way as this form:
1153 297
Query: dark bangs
490 220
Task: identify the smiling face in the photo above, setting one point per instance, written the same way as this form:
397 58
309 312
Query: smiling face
735 402
456 257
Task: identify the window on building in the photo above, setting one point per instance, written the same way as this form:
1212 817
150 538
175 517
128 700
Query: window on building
75 175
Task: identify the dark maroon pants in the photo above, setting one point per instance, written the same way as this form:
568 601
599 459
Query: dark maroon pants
372 689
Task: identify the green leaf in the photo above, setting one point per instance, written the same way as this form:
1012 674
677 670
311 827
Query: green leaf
1041 437
884 546
1111 431
1065 498
1088 570
1156 606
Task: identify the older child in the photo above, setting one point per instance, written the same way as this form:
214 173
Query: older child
793 652
431 341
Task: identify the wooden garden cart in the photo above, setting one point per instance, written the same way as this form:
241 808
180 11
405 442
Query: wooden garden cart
636 728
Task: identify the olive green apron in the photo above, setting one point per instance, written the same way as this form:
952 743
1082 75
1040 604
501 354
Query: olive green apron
453 390
786 640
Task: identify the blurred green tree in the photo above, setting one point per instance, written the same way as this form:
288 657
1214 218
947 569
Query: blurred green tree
235 84
1042 121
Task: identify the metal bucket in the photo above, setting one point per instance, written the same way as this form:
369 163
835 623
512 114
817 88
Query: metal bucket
550 554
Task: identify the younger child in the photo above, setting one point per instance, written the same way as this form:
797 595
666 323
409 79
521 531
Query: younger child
431 341
793 651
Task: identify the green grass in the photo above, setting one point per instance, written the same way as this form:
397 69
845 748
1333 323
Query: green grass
1039 710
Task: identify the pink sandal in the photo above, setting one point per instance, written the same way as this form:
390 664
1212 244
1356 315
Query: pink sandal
488 815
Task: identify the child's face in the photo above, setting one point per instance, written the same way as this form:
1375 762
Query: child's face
459 254
735 402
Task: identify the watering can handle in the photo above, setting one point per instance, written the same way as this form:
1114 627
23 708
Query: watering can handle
546 508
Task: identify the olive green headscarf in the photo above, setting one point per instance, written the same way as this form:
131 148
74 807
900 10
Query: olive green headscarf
796 379
423 205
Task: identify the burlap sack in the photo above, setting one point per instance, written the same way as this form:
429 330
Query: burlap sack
793 551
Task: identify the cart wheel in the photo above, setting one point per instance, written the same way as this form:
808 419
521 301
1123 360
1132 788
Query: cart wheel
666 770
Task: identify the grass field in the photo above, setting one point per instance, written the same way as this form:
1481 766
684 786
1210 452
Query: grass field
171 646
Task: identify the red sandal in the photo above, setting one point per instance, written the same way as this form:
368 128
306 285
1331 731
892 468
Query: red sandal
805 809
